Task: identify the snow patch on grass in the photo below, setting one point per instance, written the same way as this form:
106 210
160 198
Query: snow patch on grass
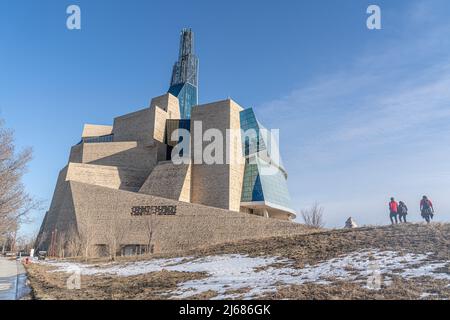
255 276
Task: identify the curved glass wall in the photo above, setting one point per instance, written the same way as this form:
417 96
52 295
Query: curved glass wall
264 177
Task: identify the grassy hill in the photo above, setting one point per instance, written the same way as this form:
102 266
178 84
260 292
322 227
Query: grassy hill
409 261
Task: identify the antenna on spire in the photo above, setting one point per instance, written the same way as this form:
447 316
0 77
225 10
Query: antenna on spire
184 81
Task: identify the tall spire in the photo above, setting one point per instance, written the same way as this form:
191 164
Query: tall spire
184 81
185 70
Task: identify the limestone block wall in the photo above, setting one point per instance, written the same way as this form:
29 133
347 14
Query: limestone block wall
192 226
60 190
218 185
107 176
160 117
170 181
135 126
164 108
95 130
147 124
60 218
168 103
120 154
61 213
76 153
236 157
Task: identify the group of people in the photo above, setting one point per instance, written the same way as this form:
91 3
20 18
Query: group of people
398 211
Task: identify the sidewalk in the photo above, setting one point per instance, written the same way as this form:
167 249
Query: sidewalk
12 280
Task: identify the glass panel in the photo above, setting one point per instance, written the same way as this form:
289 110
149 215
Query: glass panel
107 138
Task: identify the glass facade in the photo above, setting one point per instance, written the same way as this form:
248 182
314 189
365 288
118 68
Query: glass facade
275 186
187 98
263 181
251 142
107 138
252 188
264 187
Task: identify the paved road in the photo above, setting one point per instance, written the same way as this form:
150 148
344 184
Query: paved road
12 280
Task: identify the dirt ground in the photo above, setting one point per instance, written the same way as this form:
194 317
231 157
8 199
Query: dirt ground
319 246
400 289
302 249
52 285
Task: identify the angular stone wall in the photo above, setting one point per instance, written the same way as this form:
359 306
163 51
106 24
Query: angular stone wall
107 176
95 130
127 154
192 226
170 181
224 190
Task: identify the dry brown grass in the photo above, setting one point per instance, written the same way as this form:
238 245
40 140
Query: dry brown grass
319 246
400 289
302 249
150 286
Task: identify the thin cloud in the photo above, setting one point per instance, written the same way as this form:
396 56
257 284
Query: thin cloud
372 130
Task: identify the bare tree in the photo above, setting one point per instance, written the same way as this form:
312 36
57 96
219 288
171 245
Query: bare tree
73 243
86 233
313 217
8 241
150 224
61 245
25 243
117 231
15 203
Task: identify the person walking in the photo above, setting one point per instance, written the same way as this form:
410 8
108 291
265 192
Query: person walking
393 210
426 209
402 211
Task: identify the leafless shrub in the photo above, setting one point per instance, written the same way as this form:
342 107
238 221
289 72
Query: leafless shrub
150 227
15 203
25 243
86 233
61 245
117 231
313 217
73 243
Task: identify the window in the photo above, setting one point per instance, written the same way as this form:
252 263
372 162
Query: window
107 138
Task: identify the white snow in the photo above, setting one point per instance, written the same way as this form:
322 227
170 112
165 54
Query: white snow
257 275
427 295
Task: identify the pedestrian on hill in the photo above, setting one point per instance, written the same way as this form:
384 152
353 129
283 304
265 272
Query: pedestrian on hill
426 209
393 210
402 211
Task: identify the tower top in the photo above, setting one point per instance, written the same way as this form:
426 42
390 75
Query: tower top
185 70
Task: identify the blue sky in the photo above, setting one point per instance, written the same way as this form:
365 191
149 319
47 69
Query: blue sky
362 114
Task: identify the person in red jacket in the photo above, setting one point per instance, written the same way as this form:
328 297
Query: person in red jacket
393 210
426 209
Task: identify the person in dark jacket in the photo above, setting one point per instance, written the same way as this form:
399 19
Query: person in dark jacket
393 210
402 211
426 209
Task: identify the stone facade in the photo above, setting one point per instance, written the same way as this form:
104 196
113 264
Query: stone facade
192 226
95 130
224 191
169 181
122 175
